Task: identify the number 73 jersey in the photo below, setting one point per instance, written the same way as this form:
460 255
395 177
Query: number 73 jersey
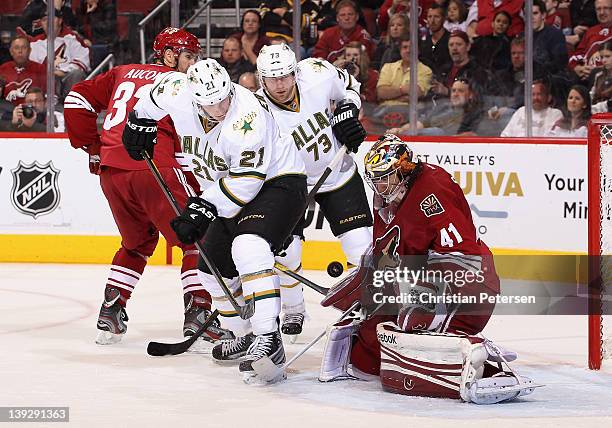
306 119
231 159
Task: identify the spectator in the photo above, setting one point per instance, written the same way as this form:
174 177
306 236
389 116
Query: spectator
394 82
34 10
253 36
482 12
549 47
233 60
355 60
388 48
391 7
277 17
508 88
249 80
576 115
582 15
456 15
333 40
20 74
71 55
5 44
493 51
543 119
433 49
30 116
600 79
460 116
98 24
592 39
558 17
462 66
367 15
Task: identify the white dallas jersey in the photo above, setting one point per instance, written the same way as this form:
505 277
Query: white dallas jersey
231 159
306 121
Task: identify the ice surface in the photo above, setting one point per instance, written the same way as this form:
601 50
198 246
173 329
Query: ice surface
47 328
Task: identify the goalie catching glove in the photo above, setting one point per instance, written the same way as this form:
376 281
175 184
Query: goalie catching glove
193 222
139 135
346 126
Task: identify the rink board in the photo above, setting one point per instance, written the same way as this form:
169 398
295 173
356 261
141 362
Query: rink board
526 198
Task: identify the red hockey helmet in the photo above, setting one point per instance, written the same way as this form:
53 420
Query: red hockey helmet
177 39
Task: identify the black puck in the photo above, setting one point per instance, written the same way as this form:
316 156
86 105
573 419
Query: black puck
335 269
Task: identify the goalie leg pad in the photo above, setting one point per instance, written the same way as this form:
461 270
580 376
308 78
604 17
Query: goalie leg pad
337 352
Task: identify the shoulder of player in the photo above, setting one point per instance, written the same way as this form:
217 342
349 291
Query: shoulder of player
248 120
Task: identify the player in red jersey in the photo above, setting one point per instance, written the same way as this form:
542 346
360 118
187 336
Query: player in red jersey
422 222
138 205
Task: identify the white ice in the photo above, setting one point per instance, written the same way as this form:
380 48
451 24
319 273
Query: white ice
48 358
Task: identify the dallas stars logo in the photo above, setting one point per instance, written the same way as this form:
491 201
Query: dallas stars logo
318 65
216 69
246 126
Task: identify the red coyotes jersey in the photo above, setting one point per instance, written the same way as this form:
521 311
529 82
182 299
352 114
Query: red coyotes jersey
117 91
590 43
434 216
20 79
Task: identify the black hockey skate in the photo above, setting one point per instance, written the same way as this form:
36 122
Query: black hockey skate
292 324
268 345
112 318
196 313
232 351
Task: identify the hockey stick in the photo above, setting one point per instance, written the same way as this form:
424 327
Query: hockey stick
318 288
245 311
269 372
158 349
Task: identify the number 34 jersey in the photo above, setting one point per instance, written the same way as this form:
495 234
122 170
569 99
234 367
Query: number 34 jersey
116 91
233 158
305 120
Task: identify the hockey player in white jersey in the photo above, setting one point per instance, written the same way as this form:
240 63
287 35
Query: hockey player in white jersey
254 192
300 97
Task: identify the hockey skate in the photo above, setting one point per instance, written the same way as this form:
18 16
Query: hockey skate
268 346
232 351
112 318
195 316
292 326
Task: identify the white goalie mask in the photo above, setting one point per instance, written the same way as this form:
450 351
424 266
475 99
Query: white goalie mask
276 61
208 83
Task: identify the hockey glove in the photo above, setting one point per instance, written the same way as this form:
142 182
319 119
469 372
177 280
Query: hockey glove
191 225
346 126
139 135
93 151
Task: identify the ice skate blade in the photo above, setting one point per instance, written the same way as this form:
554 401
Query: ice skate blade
233 362
108 338
267 372
255 379
201 346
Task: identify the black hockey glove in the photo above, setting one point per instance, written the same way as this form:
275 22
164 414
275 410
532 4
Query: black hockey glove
191 225
346 126
139 135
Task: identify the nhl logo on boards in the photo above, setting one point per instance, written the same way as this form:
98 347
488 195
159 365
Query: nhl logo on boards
431 206
35 191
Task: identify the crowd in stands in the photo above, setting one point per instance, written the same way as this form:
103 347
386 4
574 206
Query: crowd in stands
471 59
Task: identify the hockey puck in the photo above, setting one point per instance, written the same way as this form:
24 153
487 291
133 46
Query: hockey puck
335 269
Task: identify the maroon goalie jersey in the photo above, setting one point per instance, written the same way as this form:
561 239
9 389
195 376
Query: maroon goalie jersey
434 220
117 91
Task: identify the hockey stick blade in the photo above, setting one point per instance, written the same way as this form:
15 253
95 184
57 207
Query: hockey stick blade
157 349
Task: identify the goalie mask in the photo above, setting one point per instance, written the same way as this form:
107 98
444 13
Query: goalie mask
388 165
209 84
